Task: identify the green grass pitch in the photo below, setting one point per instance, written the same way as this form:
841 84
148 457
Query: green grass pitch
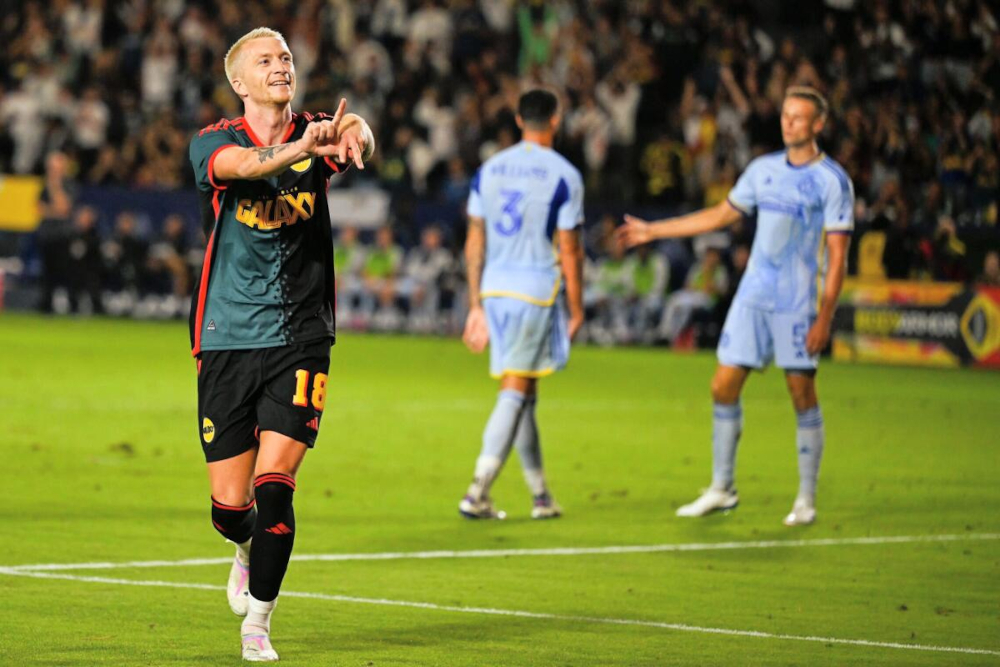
102 464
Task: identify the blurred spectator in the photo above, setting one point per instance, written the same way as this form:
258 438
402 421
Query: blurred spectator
620 97
90 126
54 207
170 273
380 273
422 279
664 167
990 276
348 263
706 281
85 263
610 290
945 253
650 277
126 255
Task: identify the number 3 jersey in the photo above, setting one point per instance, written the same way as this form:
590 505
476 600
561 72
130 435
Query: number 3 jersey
267 279
525 193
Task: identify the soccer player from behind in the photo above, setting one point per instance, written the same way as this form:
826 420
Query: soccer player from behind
525 211
801 197
262 321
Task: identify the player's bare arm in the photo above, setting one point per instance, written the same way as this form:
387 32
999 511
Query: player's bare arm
637 231
571 258
344 137
819 332
476 334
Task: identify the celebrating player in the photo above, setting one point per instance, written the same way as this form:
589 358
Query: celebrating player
522 200
262 320
801 196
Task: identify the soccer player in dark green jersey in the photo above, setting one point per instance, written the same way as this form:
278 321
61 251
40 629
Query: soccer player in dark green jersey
262 318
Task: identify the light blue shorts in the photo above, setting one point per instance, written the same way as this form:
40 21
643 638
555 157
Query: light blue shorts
526 340
752 337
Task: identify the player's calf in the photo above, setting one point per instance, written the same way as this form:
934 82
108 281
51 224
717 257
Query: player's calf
236 524
274 534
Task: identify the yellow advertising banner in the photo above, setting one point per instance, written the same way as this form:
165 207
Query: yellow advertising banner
928 324
19 203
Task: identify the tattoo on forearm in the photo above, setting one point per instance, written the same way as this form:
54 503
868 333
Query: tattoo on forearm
267 152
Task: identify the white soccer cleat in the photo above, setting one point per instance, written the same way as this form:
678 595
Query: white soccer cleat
803 513
711 500
481 508
545 507
238 588
257 648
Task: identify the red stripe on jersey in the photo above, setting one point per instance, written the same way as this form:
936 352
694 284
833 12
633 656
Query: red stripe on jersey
245 126
241 123
206 268
288 134
211 168
222 124
330 163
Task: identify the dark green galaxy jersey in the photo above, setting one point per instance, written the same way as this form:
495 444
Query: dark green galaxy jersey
267 279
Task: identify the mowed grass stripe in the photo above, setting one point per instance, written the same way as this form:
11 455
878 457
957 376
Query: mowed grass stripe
430 606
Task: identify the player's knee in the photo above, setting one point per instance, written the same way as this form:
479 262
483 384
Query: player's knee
274 493
235 523
803 395
724 392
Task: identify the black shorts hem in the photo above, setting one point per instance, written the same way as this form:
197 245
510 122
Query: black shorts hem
230 451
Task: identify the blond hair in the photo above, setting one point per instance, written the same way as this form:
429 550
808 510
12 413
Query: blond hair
233 54
811 94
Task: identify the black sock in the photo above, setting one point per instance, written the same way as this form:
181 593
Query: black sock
234 523
273 535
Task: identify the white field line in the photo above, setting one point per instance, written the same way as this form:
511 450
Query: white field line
679 627
506 553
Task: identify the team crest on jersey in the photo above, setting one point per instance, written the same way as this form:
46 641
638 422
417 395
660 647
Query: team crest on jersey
807 186
207 431
302 166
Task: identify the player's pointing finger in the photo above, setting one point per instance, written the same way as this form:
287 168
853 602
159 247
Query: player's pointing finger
339 113
356 151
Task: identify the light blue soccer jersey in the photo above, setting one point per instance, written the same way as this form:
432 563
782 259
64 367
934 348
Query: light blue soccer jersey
795 206
525 193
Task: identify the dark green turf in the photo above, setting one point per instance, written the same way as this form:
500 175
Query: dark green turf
99 440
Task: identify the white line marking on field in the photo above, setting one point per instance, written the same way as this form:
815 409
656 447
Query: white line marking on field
680 627
552 551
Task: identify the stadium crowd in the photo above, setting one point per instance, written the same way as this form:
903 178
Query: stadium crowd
665 103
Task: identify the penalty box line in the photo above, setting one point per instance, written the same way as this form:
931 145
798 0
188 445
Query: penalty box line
514 613
551 551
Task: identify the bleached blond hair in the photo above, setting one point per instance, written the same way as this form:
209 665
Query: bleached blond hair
233 54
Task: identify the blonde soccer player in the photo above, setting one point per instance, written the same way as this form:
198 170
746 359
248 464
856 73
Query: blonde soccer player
262 318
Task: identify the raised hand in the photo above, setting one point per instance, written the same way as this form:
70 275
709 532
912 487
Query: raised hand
320 137
634 232
355 142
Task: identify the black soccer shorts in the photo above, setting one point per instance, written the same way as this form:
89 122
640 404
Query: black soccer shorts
244 392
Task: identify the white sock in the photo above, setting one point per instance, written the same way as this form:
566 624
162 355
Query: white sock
243 553
487 468
535 480
258 620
